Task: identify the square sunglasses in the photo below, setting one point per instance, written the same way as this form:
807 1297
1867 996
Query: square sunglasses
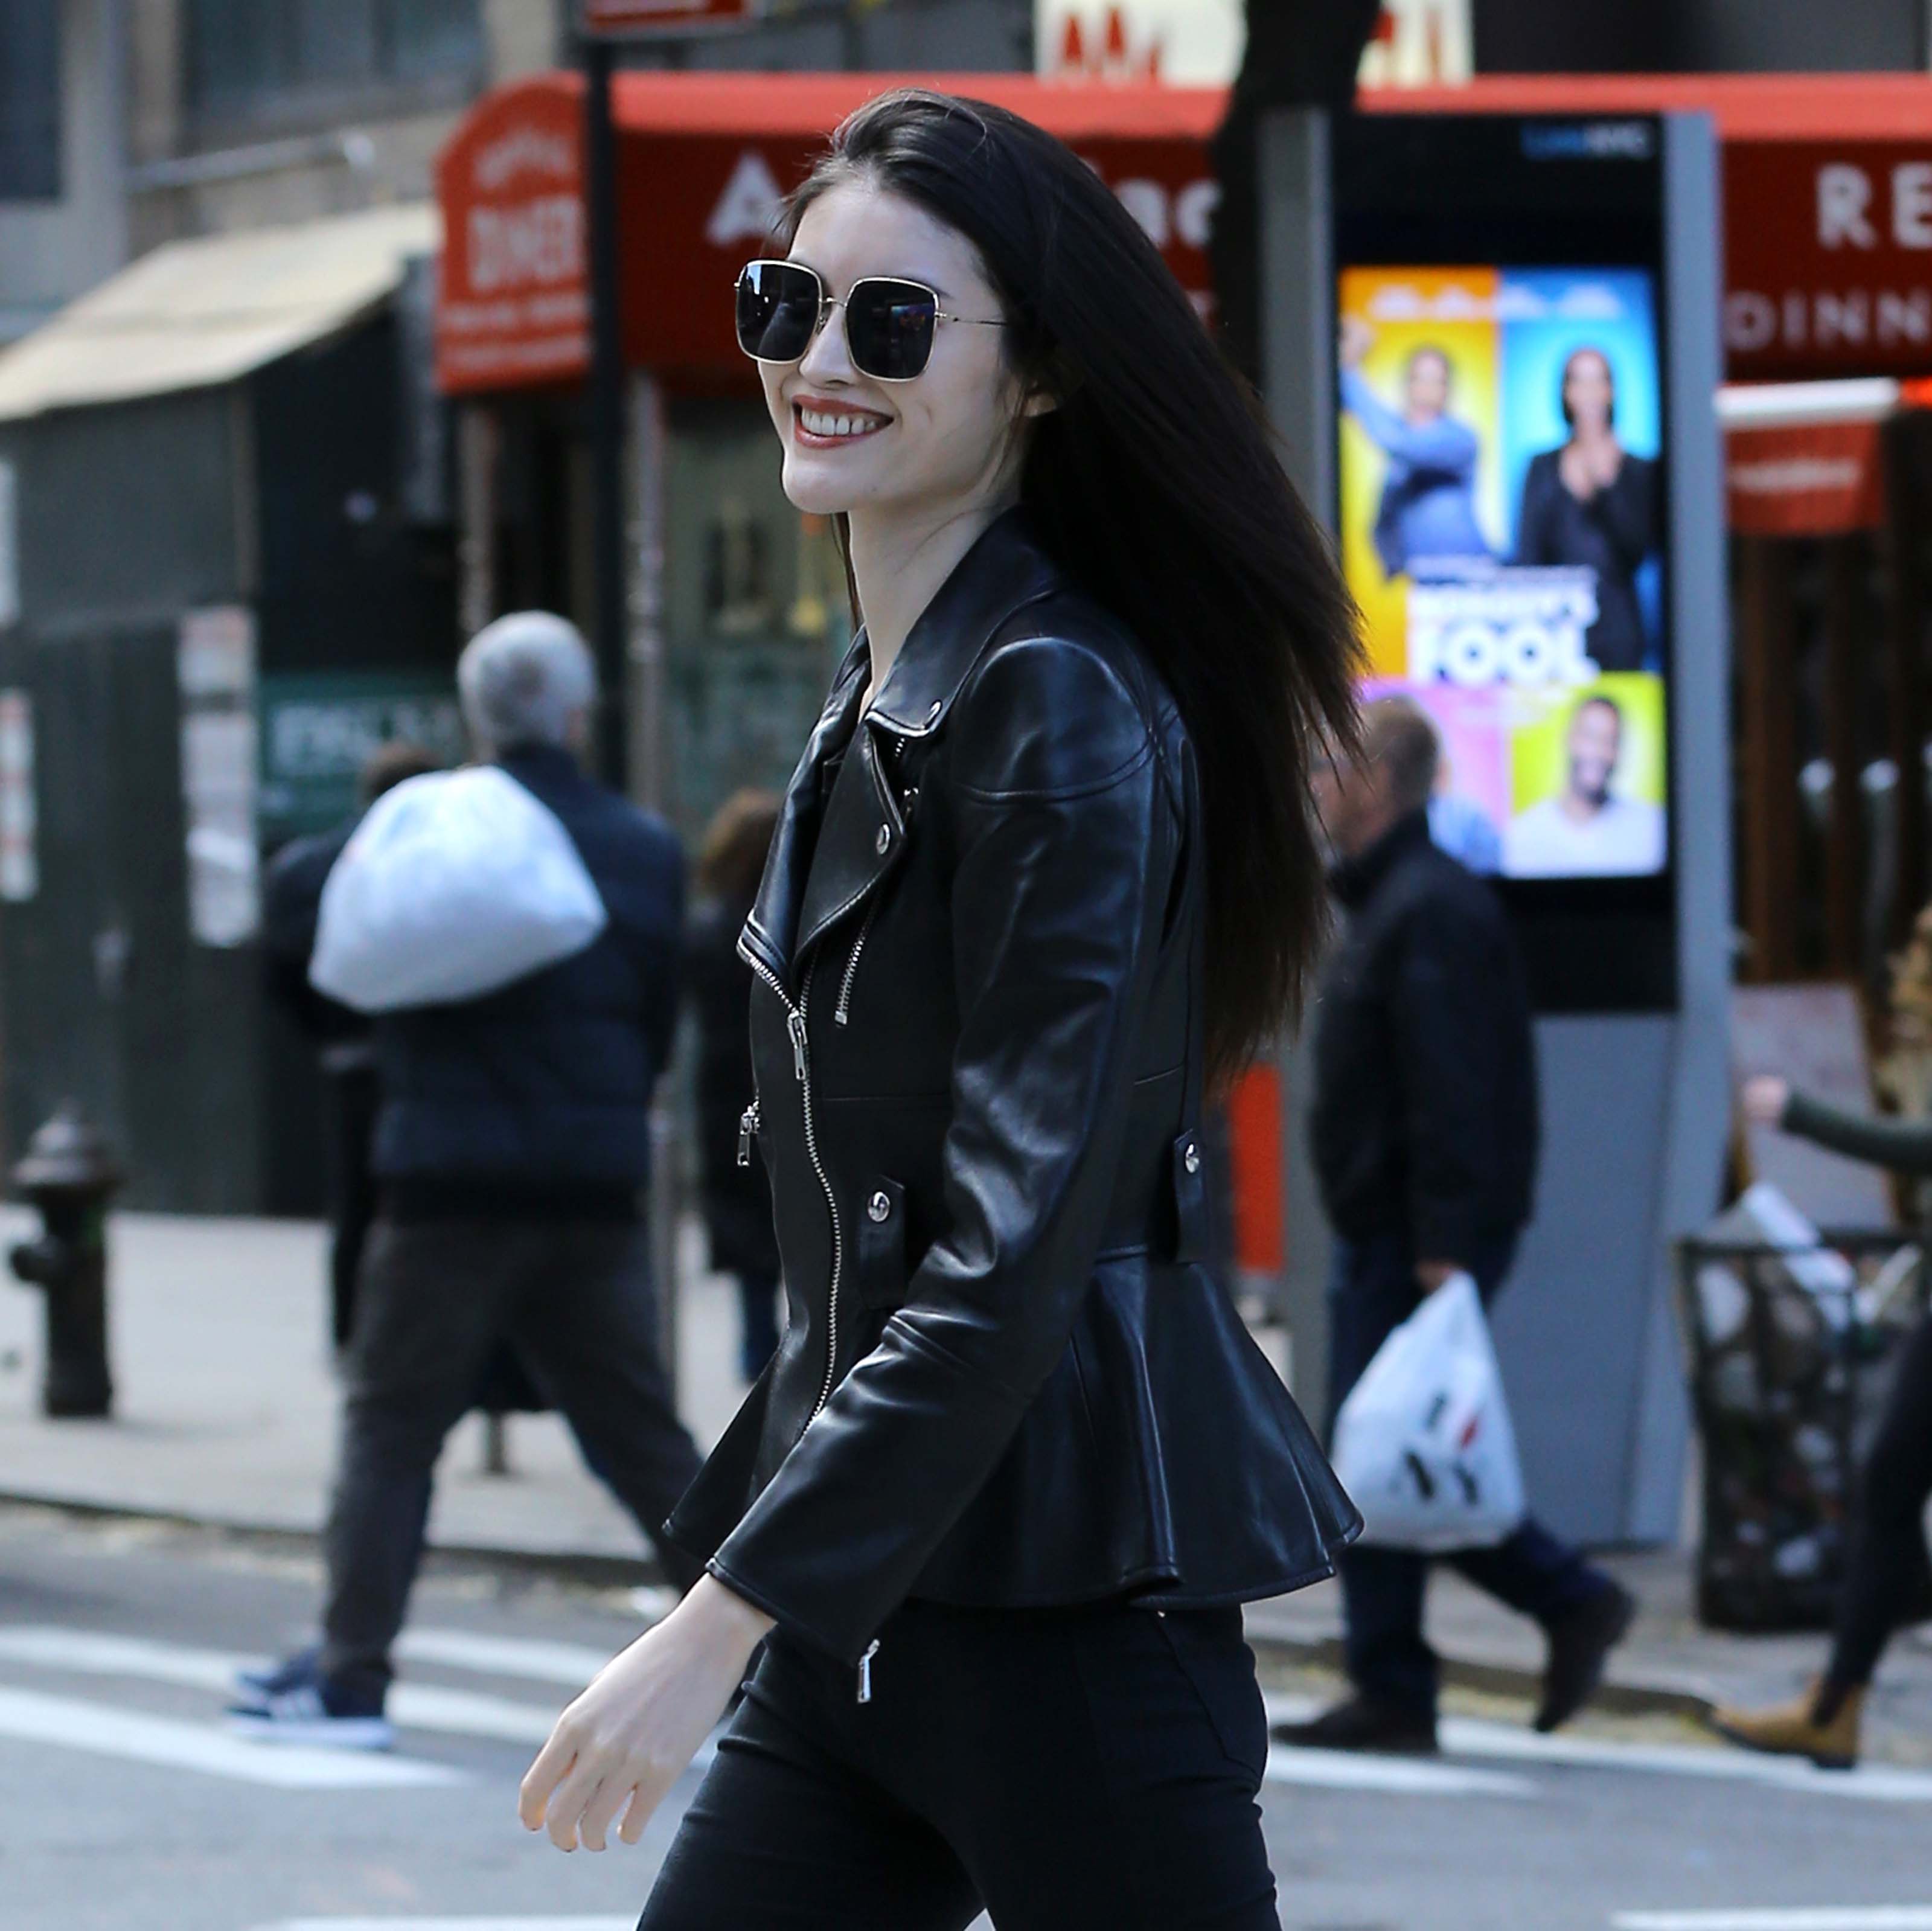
889 323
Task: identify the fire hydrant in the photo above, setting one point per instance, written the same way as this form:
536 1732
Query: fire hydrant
70 1175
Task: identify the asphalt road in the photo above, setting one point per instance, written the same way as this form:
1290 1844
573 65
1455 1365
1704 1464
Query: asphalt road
125 1807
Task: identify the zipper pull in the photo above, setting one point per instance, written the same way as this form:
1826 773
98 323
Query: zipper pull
795 1026
865 1671
748 1124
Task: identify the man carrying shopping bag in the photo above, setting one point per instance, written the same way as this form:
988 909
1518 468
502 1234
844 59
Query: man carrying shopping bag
1425 1137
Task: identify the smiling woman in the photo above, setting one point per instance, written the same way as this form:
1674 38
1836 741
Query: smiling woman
1045 873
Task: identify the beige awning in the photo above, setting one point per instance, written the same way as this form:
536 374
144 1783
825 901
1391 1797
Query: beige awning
196 314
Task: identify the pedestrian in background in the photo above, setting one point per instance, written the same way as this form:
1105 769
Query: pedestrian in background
343 1038
1888 1577
512 1147
737 1197
1425 1129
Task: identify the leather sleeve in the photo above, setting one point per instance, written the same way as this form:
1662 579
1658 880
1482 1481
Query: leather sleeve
1064 847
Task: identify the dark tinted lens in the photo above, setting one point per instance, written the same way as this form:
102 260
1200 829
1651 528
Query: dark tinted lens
778 309
889 328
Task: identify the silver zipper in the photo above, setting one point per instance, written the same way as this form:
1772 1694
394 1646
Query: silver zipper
865 1671
748 1123
795 1026
842 1012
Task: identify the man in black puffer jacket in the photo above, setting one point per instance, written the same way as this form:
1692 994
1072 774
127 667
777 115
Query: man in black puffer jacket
512 1151
1425 1141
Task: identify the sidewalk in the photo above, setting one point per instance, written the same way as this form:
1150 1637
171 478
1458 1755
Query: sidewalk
225 1414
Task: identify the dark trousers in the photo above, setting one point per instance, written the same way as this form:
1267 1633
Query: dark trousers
352 1095
758 1324
1373 1291
435 1299
1889 1582
1089 1769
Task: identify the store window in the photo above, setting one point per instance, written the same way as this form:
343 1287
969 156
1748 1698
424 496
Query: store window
30 104
256 58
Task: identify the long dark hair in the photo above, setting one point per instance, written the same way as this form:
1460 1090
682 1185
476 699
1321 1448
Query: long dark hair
1156 484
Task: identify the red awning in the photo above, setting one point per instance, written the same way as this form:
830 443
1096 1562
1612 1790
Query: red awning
703 161
1827 203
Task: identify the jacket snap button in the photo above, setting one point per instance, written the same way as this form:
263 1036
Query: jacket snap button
883 843
879 1206
1190 1158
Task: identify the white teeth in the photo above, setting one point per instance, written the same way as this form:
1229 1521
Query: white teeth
817 423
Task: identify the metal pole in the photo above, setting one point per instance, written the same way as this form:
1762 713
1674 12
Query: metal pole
606 408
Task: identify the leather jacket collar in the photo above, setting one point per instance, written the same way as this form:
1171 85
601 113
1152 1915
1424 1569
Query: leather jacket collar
828 855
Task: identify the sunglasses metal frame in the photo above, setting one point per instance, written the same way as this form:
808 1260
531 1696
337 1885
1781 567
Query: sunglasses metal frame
827 302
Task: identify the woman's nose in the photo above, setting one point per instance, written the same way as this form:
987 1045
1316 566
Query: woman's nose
826 357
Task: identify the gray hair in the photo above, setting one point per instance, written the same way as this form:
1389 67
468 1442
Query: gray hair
525 679
1398 737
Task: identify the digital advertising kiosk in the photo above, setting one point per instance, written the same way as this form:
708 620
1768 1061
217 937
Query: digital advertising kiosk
1493 354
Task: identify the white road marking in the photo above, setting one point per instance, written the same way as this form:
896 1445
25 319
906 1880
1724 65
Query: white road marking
571 1664
1476 1737
1351 1769
71 1724
1816 1918
454 1924
413 1706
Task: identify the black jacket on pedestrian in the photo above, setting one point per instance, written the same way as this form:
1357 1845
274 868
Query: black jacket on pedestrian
737 1201
1009 1379
1425 1113
538 1097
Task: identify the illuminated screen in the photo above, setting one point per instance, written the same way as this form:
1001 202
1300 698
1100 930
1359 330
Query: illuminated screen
1500 511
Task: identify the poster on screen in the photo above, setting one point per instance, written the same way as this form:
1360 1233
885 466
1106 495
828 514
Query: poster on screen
1185 43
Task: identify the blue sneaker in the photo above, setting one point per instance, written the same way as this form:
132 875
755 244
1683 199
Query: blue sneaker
276 1679
306 1708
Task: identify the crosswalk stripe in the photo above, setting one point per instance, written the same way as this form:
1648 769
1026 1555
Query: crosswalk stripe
73 1724
454 1924
1347 1769
413 1706
1878 1783
572 1665
1816 1917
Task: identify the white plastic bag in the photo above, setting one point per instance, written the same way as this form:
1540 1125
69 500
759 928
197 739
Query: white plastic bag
455 884
1423 1443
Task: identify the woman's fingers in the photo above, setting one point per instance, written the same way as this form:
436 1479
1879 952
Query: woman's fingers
572 1797
610 1797
643 1802
540 1780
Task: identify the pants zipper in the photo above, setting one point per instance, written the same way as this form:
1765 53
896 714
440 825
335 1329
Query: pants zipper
796 1027
748 1123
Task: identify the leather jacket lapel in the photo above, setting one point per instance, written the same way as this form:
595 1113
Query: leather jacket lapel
862 835
770 931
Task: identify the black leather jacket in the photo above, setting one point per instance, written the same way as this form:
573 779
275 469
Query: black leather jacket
1008 1380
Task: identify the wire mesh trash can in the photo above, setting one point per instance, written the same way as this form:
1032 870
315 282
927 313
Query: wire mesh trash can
1792 1353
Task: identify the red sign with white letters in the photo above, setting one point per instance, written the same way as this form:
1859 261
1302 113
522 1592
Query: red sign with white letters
704 161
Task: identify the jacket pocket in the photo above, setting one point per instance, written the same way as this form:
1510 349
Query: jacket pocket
882 1243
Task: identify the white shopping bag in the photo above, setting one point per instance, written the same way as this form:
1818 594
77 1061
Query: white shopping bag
455 884
1423 1443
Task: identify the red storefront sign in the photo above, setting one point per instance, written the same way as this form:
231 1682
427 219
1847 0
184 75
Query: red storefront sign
704 163
608 16
1804 478
512 304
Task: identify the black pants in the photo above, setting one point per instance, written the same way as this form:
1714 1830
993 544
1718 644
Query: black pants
435 1299
1374 1291
352 1096
1067 1770
1889 1581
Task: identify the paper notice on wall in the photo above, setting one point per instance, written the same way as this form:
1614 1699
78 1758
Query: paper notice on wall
19 815
9 546
215 670
1185 43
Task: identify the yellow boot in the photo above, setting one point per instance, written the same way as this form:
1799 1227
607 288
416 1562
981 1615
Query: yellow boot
1793 1729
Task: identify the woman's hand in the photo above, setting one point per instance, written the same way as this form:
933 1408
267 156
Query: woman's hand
630 1736
1765 1099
